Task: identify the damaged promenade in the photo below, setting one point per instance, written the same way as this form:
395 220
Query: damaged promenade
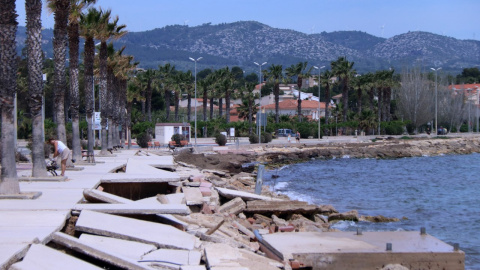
143 210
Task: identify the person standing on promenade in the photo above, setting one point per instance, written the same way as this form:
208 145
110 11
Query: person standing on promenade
289 138
298 137
61 152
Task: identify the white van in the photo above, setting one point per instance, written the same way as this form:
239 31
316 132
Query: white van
283 132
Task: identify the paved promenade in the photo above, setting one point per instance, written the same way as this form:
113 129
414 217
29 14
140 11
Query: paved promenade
23 222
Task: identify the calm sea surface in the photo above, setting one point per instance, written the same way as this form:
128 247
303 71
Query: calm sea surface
439 193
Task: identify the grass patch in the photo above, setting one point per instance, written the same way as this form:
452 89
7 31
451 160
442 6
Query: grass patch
406 138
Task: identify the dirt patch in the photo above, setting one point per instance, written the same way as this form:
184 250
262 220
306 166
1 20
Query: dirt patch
233 163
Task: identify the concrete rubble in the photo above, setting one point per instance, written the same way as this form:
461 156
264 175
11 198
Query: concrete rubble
208 219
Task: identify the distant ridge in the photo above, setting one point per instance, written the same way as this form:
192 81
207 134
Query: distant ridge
242 43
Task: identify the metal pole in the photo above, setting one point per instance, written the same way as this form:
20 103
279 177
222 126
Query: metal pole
259 120
436 100
319 99
195 60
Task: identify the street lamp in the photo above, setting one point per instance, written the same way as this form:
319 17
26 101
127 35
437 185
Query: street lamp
260 115
195 60
319 85
436 114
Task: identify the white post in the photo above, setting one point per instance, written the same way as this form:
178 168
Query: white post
260 114
195 60
319 107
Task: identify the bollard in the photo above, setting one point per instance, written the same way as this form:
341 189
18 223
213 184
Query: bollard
456 246
359 231
259 183
423 231
237 143
389 246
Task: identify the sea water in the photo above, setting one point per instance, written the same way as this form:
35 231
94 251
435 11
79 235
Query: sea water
439 193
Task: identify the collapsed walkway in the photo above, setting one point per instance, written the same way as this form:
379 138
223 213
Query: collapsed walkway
107 232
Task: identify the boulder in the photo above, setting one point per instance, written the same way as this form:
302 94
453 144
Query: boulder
379 218
350 215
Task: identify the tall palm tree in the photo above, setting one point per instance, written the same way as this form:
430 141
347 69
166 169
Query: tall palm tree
8 79
33 10
61 10
147 78
226 82
167 72
76 9
275 75
327 85
299 71
89 22
109 29
343 69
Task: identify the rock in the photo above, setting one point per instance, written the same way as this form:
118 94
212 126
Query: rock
350 215
327 209
394 267
279 221
379 218
234 207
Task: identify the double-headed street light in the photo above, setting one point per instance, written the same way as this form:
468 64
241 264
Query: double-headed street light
260 115
195 60
436 114
319 85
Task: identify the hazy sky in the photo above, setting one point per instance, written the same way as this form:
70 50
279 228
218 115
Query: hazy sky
386 18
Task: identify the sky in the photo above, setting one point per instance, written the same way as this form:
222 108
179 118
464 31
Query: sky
383 18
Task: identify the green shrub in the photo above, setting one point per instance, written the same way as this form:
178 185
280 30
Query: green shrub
266 137
393 127
177 138
253 139
143 139
143 127
220 139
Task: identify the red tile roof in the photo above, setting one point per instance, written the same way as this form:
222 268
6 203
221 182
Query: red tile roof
291 104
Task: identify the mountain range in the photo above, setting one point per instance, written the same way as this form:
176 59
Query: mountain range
242 43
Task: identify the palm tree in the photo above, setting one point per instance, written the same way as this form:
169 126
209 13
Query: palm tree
166 75
109 29
343 69
225 83
186 82
275 75
327 85
8 79
33 10
76 9
61 9
300 72
385 82
88 25
147 78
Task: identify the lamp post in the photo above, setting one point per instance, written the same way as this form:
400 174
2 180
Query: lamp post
319 85
260 115
436 113
195 60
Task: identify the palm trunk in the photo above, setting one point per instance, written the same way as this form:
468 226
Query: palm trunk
227 105
74 89
359 97
189 106
167 104
89 50
345 100
299 106
34 38
250 120
220 107
62 8
149 100
8 79
277 102
211 108
176 101
205 100
103 96
327 103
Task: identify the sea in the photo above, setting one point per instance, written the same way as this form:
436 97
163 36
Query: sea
440 193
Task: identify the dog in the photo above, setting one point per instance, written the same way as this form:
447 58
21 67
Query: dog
52 166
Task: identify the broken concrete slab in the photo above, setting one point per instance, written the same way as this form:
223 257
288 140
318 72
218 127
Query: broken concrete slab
222 255
193 196
150 200
172 220
43 257
11 253
160 235
347 250
128 249
140 177
234 206
135 208
175 198
178 257
42 179
246 196
281 207
192 267
95 252
96 196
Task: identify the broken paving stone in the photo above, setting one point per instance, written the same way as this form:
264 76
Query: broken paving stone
98 196
43 257
178 257
128 249
206 191
222 255
175 198
157 234
234 206
246 196
193 196
281 207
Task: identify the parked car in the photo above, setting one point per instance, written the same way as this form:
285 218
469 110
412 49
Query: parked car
283 132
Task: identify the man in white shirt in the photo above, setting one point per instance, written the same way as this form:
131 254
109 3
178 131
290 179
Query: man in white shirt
61 152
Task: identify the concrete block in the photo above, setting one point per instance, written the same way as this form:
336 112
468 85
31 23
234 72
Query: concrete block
206 191
41 257
127 249
234 206
175 198
135 208
160 235
193 196
246 196
281 207
96 196
95 252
